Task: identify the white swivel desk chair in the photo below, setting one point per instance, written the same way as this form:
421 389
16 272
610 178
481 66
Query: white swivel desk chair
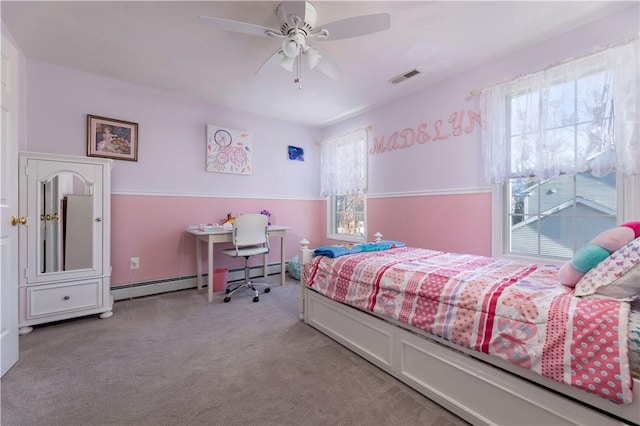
249 239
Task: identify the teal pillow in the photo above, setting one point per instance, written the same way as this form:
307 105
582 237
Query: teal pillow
588 257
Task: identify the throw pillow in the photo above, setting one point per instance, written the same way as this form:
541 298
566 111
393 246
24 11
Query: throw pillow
618 276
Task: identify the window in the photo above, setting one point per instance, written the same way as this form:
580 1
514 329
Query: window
555 217
344 183
559 151
346 217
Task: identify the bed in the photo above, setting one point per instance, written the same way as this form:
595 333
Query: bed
482 364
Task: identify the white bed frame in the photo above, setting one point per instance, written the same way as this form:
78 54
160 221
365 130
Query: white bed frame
479 388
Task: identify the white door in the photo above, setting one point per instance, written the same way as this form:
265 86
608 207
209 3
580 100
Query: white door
9 209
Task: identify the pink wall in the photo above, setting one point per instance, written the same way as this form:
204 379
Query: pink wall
457 223
153 229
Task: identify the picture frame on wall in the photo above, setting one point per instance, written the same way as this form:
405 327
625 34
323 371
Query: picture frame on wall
111 138
229 150
295 153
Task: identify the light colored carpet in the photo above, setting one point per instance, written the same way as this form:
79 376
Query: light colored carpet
174 359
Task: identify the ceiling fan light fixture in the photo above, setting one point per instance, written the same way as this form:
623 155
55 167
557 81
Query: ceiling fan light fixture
290 48
313 57
287 63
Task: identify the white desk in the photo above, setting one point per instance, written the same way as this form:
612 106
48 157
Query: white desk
225 236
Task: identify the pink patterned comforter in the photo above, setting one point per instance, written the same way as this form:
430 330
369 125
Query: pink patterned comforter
516 311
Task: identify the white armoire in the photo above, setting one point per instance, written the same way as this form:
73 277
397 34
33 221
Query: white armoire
65 243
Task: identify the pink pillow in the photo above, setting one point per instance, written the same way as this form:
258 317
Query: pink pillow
618 276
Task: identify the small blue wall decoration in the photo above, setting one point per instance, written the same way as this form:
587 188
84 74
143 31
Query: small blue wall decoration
295 153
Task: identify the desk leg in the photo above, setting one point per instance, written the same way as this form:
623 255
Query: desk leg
198 264
282 260
210 261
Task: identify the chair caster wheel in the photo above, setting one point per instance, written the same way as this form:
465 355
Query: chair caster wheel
267 290
227 290
227 299
256 299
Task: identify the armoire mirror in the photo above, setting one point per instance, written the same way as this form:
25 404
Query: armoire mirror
66 223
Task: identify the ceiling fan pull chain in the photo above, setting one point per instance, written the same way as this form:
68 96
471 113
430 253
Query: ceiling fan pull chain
298 79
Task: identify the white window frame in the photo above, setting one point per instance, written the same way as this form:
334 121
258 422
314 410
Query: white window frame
331 223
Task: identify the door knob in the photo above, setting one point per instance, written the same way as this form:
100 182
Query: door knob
15 221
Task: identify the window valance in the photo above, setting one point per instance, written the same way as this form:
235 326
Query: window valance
579 116
343 164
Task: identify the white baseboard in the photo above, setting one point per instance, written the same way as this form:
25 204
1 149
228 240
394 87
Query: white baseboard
149 288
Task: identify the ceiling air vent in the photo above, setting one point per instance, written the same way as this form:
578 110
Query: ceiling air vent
405 76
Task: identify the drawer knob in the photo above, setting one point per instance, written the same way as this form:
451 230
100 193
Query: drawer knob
67 297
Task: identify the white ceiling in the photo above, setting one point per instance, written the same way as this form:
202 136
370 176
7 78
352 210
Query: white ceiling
162 44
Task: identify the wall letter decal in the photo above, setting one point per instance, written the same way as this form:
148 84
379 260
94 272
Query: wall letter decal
423 135
457 126
408 137
392 143
473 117
378 146
437 126
420 135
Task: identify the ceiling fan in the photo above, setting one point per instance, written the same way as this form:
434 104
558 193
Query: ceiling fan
297 21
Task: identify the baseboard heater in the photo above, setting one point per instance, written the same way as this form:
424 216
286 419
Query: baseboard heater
148 288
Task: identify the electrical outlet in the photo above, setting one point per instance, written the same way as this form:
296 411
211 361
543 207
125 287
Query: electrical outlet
134 263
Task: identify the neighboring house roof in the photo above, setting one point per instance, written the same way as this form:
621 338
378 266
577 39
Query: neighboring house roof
595 211
555 194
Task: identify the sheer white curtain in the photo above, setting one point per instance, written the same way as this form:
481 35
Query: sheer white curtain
343 164
582 115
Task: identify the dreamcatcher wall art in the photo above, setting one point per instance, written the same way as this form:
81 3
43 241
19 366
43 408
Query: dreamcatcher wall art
228 151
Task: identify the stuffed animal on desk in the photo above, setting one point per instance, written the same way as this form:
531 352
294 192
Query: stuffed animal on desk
229 220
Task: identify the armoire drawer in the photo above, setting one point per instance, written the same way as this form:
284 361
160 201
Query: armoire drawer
68 297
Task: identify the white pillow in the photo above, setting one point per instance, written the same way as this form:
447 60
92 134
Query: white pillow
617 276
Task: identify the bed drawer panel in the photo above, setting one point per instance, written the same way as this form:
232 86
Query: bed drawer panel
456 380
373 342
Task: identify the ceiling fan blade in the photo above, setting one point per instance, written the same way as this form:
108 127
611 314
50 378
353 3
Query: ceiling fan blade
327 66
272 61
295 8
237 26
355 27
